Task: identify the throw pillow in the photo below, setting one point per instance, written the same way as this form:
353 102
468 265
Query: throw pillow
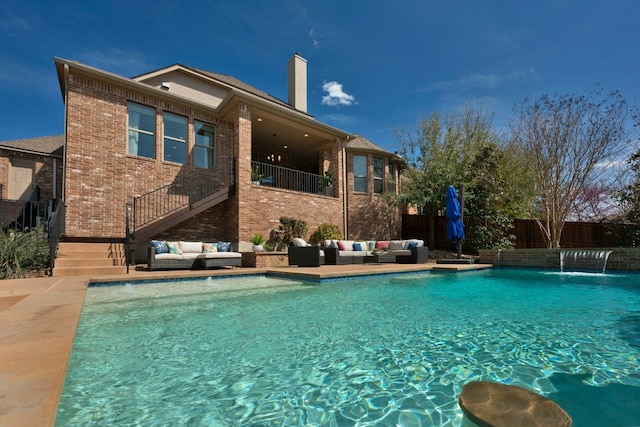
298 241
357 247
382 244
412 245
341 246
224 246
160 246
209 248
174 248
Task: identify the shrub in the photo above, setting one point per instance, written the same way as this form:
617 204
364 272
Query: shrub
326 231
22 254
258 239
290 228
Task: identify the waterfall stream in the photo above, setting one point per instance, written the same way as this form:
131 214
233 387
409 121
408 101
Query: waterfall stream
584 260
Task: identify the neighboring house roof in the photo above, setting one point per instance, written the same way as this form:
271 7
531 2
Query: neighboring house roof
43 145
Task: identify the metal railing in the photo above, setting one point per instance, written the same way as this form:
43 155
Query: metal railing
289 179
26 216
56 229
183 192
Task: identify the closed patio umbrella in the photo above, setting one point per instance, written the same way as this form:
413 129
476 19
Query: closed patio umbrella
455 227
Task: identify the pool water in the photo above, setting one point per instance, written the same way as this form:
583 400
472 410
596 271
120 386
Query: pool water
373 351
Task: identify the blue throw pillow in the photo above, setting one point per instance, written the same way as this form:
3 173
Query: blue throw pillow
224 246
412 245
160 246
357 247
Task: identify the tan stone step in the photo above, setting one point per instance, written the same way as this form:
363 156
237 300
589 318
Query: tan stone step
64 253
89 262
88 271
89 259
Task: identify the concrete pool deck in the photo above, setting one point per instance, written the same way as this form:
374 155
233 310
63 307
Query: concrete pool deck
39 318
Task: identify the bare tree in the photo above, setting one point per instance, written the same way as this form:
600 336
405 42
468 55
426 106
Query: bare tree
569 140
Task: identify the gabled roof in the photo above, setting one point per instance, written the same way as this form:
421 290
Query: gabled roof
360 143
43 145
232 81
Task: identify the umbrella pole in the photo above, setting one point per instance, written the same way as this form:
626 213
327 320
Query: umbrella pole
461 217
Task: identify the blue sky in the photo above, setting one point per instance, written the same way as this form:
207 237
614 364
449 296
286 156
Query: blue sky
373 66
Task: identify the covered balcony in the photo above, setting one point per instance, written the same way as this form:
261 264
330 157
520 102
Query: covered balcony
292 156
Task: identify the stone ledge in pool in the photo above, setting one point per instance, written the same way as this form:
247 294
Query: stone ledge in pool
500 405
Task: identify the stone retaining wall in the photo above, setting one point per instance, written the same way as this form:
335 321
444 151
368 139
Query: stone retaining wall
621 259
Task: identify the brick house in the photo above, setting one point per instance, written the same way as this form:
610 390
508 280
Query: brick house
190 154
30 173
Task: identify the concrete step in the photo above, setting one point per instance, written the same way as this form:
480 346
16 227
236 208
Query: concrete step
89 262
87 271
89 259
66 254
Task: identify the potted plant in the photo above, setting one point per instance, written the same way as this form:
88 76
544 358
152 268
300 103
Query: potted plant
257 242
326 182
256 176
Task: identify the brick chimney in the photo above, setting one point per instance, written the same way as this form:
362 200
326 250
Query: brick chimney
297 82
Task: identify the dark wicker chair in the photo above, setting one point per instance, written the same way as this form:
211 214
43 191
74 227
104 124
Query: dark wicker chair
418 256
305 256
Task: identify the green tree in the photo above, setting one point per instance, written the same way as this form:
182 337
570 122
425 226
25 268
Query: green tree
567 140
487 203
629 196
437 154
465 150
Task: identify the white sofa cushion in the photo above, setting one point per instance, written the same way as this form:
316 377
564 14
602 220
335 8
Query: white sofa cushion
353 253
169 256
221 255
395 245
191 247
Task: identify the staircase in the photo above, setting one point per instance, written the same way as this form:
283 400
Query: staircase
89 259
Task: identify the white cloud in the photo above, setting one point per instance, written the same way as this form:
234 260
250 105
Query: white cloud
487 80
14 26
314 38
336 96
115 60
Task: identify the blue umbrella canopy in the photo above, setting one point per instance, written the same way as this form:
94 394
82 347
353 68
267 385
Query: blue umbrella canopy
455 227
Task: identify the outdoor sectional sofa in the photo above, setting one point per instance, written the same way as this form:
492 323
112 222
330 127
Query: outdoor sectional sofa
411 251
191 255
340 252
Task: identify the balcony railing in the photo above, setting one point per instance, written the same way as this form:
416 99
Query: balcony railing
289 179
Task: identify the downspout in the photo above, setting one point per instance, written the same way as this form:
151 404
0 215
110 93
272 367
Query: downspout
344 187
64 144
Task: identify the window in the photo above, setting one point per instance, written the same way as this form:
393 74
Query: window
175 138
378 175
141 128
392 179
204 150
359 173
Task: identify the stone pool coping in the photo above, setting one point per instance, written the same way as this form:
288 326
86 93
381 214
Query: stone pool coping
39 318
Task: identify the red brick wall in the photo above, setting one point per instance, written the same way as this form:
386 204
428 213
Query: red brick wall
43 172
369 214
101 178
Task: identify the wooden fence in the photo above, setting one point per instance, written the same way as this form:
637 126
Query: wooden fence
528 234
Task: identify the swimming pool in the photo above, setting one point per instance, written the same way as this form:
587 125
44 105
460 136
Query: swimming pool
381 350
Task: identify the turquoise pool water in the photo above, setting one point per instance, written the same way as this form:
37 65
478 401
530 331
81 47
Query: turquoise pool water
383 350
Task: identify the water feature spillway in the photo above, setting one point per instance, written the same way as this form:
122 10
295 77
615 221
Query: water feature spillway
584 260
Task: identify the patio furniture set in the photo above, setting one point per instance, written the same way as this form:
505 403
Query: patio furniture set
341 252
166 255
